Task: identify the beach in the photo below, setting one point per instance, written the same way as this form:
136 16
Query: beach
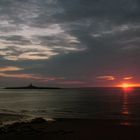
70 129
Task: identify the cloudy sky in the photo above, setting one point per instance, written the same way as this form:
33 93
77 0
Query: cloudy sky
69 43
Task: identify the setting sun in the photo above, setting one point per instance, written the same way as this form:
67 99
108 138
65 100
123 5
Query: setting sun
127 87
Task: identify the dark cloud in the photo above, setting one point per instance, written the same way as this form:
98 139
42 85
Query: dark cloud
16 39
110 9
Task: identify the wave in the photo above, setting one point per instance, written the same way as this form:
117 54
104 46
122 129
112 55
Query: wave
8 117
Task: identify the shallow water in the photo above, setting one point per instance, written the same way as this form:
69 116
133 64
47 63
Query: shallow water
72 103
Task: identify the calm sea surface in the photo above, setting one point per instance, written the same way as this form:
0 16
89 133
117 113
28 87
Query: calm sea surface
72 103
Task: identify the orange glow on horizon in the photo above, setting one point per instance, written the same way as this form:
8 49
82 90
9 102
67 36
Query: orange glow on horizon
125 85
128 86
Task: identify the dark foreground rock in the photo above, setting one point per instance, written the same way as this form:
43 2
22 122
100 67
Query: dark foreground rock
69 129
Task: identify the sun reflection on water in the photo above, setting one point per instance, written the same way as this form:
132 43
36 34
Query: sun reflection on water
125 112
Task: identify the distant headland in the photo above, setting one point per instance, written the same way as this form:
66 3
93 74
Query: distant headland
31 86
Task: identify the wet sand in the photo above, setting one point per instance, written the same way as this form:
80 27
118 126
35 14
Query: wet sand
70 129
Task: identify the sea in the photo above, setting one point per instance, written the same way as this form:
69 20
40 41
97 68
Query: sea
82 103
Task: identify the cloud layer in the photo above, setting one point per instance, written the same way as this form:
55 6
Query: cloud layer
78 39
23 38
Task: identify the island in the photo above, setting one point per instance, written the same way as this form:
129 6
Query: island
31 86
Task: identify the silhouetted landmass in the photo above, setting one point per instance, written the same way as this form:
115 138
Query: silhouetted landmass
32 87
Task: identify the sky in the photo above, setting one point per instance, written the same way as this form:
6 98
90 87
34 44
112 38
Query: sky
69 43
